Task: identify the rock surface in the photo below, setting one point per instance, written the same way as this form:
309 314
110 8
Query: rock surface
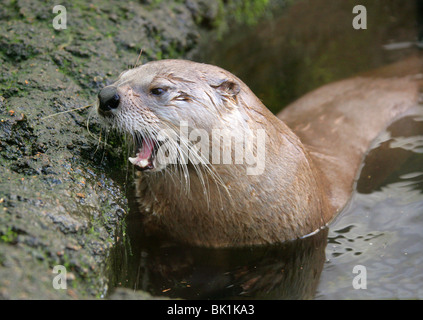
59 202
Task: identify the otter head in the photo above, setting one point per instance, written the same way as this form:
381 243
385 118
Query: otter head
154 101
165 106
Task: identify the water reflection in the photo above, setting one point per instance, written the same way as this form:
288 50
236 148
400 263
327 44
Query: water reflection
288 271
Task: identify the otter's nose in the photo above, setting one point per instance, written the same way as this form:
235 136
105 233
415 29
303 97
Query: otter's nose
109 98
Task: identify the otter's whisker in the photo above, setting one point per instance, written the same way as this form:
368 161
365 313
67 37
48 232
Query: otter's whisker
66 111
201 166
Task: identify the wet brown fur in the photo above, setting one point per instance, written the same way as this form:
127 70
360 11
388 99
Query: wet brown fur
312 155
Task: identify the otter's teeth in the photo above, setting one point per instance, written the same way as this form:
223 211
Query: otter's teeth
144 155
143 163
140 163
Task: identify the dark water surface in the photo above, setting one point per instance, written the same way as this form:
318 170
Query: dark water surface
303 47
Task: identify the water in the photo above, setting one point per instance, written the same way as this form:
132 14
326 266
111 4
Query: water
381 229
289 271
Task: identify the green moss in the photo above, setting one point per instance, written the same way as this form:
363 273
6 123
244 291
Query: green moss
242 12
9 236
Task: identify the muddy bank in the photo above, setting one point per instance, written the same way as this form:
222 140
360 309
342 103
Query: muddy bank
59 202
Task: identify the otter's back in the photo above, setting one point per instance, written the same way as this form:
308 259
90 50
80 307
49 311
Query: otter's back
337 123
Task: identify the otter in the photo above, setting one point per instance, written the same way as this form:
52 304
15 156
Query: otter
296 170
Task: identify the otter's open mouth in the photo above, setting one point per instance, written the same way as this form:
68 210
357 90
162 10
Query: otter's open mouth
144 159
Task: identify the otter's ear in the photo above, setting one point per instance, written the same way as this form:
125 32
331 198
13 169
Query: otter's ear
227 87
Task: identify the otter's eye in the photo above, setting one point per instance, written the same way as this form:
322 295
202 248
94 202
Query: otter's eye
157 91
